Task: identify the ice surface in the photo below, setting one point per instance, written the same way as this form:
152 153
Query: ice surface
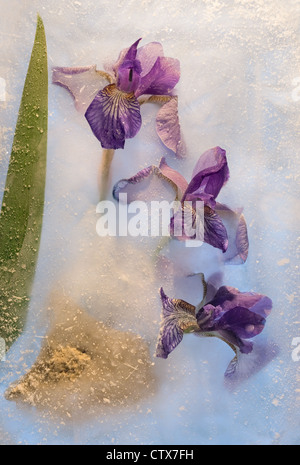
238 89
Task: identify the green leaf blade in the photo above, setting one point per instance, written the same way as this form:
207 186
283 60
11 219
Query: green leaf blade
23 200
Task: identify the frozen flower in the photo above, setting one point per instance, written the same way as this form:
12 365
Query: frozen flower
220 226
233 316
110 100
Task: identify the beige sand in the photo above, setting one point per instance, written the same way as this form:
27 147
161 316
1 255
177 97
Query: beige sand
84 364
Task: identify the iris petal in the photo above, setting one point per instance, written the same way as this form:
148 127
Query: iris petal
242 322
164 171
229 297
209 176
148 55
215 232
189 223
174 176
235 316
126 53
83 83
177 317
236 226
114 116
168 127
161 79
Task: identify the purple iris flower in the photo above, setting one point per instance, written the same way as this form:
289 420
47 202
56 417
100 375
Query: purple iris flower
110 100
221 227
233 316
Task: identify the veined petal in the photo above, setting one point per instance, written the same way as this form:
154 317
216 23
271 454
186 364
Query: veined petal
161 79
83 83
168 127
215 232
210 174
188 224
178 317
163 171
114 116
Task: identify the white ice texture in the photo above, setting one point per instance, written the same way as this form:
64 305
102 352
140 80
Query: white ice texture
239 89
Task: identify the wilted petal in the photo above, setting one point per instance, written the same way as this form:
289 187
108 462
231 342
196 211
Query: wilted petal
114 116
128 186
83 83
161 79
236 226
177 317
210 174
168 127
163 171
241 239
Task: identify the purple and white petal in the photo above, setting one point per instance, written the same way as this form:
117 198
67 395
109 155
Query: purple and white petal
83 83
168 127
161 79
178 317
209 175
114 116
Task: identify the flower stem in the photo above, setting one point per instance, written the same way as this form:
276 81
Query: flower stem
104 174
